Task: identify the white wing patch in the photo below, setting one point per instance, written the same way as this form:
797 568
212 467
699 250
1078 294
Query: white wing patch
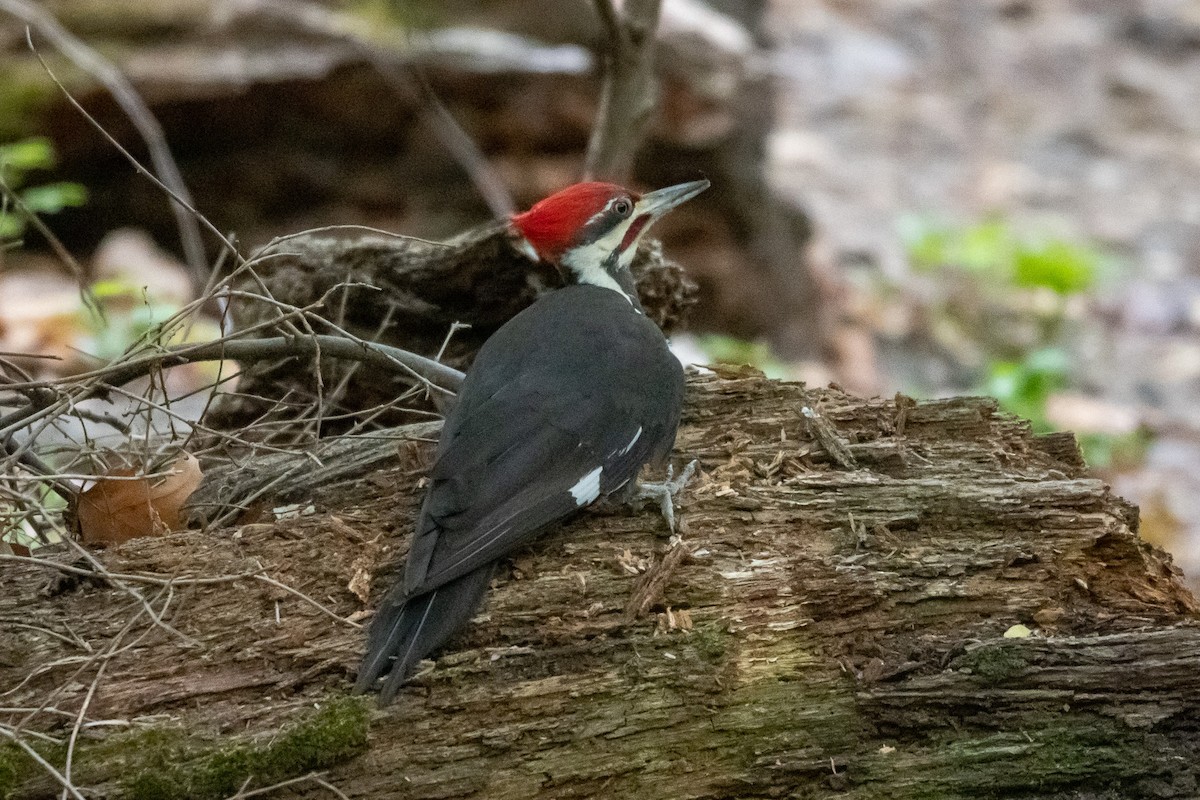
588 487
629 446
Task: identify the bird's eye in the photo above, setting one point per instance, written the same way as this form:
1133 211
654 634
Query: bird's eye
623 207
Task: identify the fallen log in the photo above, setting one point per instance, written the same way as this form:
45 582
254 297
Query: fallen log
962 612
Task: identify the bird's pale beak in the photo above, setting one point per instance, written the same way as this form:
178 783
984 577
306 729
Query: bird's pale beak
660 201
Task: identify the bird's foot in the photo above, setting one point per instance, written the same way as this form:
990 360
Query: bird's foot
664 492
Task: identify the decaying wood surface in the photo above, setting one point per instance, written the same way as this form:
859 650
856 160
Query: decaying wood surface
825 632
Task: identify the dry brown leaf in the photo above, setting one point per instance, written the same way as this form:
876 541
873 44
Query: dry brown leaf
120 507
14 549
169 496
115 510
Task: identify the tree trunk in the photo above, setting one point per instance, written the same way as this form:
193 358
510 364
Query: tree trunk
817 631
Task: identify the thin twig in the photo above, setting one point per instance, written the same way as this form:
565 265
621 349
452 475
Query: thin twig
487 181
60 250
324 784
278 240
296 592
116 578
442 377
104 71
439 376
110 651
181 200
609 18
41 736
87 701
77 642
27 459
154 580
315 18
101 571
313 777
455 327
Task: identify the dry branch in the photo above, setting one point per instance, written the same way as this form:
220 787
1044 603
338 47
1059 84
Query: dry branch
104 71
630 91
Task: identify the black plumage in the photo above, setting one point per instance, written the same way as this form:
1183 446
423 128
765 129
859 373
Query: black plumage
556 411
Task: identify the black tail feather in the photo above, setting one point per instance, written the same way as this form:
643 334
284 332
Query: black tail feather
406 629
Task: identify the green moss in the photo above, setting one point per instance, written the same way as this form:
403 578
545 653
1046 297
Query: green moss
166 763
1091 751
710 642
173 769
14 767
994 663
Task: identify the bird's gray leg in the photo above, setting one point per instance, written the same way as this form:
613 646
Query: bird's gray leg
663 492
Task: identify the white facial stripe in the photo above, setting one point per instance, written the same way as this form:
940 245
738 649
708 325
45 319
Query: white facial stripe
587 267
626 256
588 487
587 262
596 217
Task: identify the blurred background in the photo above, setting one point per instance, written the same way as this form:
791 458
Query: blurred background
921 196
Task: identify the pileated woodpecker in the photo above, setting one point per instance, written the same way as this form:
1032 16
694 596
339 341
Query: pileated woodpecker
564 404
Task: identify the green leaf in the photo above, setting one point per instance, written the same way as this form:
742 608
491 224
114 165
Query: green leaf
1023 387
11 225
1124 451
926 243
1063 267
732 350
51 198
1004 381
986 247
36 152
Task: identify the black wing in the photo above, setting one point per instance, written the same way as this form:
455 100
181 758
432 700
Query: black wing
523 448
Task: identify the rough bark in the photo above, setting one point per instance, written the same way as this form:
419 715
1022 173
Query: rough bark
828 632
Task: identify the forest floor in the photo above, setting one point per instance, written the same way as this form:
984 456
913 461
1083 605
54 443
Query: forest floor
1071 119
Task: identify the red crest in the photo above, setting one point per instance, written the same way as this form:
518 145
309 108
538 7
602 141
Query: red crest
553 224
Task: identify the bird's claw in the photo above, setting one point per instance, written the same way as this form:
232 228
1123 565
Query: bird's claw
664 492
